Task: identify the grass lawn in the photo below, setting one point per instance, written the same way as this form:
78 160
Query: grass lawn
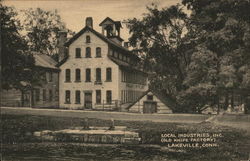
18 142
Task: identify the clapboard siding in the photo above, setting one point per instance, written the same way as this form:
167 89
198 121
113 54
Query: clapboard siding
11 97
161 107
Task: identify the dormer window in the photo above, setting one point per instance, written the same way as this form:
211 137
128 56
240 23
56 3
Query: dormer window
87 39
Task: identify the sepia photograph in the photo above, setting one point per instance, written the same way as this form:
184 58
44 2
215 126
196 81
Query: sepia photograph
114 80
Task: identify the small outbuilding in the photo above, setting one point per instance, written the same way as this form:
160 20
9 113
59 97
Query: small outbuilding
152 102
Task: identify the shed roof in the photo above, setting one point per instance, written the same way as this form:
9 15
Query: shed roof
126 65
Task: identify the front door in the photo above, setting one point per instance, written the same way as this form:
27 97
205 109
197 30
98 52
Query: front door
88 100
149 107
26 99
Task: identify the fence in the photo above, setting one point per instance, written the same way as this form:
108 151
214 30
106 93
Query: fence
114 105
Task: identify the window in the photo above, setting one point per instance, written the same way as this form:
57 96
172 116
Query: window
78 97
115 54
150 97
67 96
98 75
88 52
109 74
37 94
124 58
48 76
88 75
98 97
56 95
50 95
128 59
87 39
110 52
98 52
109 97
44 94
78 75
120 56
67 75
78 52
43 76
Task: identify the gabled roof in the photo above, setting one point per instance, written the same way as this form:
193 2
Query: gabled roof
118 37
162 97
45 61
117 23
62 61
104 38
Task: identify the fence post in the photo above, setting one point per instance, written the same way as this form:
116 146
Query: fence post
103 105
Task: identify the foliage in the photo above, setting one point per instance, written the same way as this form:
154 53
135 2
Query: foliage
17 64
42 29
222 29
158 36
201 59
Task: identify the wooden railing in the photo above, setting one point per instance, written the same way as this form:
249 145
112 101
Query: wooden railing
114 105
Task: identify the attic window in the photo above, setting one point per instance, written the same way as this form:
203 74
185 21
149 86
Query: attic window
87 39
150 97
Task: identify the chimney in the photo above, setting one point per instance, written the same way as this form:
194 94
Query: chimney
89 22
62 48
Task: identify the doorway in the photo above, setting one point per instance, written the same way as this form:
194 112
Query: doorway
88 100
149 107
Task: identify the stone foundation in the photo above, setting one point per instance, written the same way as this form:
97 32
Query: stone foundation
102 135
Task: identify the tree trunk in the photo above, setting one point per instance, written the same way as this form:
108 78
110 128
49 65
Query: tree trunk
232 99
22 98
218 104
31 98
247 105
226 101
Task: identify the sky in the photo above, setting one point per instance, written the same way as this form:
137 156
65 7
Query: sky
73 13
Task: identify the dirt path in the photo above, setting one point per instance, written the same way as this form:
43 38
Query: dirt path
179 118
